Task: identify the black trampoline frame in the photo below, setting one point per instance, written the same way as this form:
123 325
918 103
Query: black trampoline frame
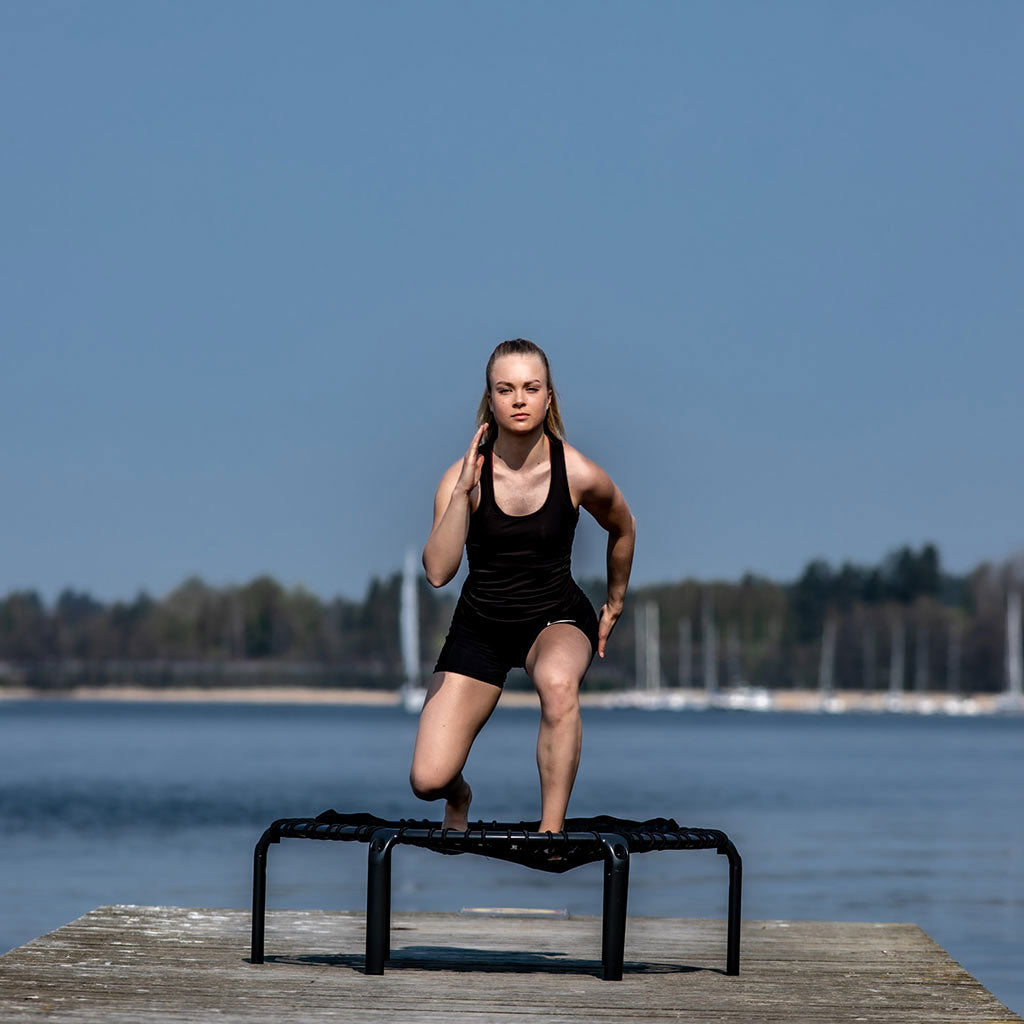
502 840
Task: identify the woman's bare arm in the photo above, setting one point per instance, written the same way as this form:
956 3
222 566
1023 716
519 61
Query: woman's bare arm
604 501
453 503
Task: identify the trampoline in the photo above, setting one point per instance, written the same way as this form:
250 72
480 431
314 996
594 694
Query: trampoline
582 841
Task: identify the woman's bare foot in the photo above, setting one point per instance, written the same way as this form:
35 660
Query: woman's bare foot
456 810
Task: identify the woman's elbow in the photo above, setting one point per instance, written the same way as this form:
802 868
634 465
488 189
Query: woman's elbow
436 580
626 527
436 576
622 533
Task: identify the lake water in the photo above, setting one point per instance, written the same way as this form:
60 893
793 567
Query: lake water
843 817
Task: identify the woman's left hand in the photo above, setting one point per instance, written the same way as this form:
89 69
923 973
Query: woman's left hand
605 624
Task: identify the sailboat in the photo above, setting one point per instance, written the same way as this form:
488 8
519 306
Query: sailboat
412 692
1012 698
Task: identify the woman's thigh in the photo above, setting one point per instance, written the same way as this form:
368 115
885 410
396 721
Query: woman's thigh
559 658
455 710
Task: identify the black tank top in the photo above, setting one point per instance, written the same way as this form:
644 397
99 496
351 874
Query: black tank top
520 567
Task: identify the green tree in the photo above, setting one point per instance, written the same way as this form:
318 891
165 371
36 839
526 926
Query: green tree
26 631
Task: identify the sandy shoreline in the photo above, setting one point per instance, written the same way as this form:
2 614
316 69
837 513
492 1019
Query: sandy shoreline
236 695
740 700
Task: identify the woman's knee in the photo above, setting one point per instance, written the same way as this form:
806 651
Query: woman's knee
428 783
559 696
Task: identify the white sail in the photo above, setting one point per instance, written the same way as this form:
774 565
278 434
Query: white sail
412 692
410 621
1014 671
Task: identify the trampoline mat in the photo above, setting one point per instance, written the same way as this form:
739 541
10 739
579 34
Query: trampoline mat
580 842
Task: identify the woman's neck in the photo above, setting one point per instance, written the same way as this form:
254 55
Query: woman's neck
520 450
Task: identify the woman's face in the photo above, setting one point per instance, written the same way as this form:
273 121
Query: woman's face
519 393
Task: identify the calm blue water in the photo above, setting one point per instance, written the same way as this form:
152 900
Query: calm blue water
847 817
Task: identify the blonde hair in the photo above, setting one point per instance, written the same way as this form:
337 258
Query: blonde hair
519 347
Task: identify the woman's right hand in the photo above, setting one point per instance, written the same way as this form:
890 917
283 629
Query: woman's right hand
473 463
453 505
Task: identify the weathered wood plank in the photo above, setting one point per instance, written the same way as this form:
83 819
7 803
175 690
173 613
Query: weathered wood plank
147 963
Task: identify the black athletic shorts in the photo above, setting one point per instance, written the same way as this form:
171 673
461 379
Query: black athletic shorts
486 649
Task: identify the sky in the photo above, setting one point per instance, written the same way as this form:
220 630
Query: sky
254 256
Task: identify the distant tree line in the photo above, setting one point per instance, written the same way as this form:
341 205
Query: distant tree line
201 633
902 623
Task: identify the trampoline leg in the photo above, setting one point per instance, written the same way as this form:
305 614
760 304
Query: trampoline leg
732 961
613 922
378 900
259 894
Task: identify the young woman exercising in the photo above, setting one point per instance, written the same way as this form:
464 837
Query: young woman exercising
513 502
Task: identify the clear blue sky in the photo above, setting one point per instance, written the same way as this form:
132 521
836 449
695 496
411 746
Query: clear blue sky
253 257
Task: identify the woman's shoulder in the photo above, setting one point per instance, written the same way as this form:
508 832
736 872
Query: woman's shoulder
584 474
449 476
575 458
446 487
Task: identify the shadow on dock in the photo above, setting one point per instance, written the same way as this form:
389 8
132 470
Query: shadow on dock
472 960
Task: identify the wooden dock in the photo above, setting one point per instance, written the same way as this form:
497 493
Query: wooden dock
144 964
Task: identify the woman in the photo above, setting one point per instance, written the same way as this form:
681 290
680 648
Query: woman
513 502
